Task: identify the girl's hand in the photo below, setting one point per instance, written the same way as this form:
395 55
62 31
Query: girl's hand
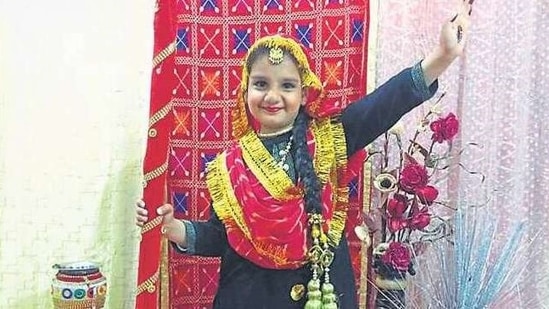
454 32
140 213
171 228
451 44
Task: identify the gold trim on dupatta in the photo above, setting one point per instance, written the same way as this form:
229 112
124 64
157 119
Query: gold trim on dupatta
262 164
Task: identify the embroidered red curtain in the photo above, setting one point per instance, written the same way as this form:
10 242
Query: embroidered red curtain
198 50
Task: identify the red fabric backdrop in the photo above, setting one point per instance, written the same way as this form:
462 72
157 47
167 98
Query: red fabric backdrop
211 37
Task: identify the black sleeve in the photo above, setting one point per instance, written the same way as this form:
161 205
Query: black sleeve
211 237
374 114
205 238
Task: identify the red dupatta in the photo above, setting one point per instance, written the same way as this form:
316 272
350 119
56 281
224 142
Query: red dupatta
261 208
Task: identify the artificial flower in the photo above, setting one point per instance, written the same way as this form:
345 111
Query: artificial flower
397 255
444 129
385 182
427 195
413 176
396 224
396 206
419 219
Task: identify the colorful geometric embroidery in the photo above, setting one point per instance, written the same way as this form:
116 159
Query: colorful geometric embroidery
182 40
357 30
242 40
182 122
353 188
180 201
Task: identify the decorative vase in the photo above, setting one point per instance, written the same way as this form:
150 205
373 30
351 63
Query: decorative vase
390 292
390 283
79 285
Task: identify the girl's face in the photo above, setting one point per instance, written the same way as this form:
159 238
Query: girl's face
274 93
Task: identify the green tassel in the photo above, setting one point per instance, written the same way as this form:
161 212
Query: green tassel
327 288
313 304
329 298
314 295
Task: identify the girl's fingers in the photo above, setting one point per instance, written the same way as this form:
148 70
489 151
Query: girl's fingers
141 211
165 209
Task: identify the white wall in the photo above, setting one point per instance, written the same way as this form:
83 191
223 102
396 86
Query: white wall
74 97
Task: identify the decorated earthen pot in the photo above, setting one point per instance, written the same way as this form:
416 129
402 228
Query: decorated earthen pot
78 285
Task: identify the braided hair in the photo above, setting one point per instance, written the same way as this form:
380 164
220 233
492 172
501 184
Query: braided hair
304 164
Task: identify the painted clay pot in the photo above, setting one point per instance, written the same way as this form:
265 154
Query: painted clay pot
78 285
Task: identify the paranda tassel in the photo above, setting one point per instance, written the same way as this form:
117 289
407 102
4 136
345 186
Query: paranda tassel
314 295
321 258
329 298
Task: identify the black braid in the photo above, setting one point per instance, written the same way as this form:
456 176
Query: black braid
304 164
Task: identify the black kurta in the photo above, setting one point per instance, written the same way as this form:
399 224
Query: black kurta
244 285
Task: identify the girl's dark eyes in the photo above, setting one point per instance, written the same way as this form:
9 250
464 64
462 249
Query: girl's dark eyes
263 84
260 84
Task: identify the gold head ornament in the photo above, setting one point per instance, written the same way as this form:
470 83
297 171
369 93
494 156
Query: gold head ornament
276 55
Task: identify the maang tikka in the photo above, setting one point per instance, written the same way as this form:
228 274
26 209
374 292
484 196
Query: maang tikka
276 55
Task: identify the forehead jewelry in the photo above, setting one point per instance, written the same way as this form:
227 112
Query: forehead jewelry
276 55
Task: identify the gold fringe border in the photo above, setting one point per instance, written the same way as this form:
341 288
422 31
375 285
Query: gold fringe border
223 199
330 157
341 203
324 148
263 166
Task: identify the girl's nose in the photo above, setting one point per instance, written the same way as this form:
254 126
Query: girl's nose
272 96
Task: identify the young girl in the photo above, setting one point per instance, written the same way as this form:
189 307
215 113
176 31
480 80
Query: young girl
279 195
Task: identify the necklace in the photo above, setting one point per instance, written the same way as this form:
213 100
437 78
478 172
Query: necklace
280 132
284 154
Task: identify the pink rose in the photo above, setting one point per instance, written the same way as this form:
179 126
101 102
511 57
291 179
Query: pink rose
397 255
444 129
427 195
419 219
412 177
397 206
